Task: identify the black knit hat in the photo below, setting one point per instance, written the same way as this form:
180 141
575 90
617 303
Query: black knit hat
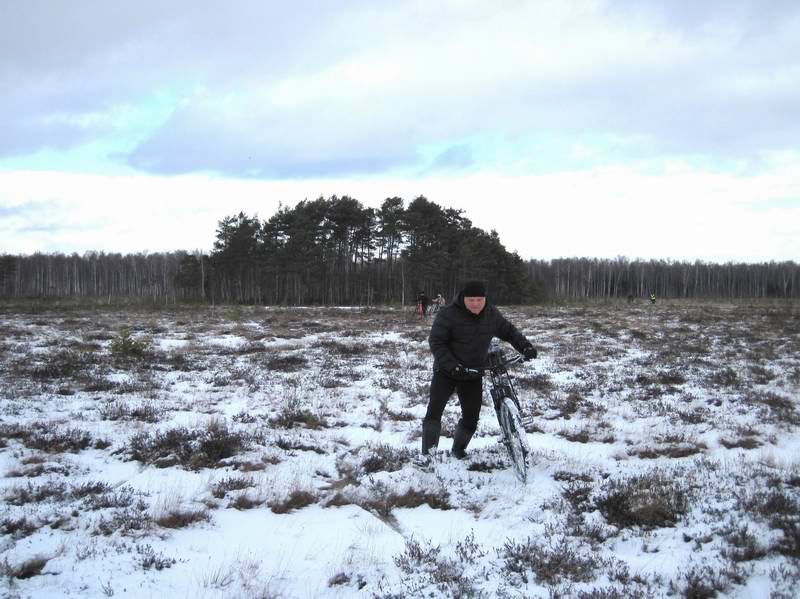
474 289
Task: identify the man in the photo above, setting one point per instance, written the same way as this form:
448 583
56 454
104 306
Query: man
422 304
437 303
460 338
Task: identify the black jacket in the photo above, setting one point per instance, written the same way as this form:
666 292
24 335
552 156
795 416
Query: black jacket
460 337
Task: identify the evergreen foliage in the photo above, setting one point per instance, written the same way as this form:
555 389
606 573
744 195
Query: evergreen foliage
335 251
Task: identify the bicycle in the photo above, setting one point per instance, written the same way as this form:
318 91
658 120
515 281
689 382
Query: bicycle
508 409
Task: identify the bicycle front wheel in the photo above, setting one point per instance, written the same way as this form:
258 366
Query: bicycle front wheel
515 441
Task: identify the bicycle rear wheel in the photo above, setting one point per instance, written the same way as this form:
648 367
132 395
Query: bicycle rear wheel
515 441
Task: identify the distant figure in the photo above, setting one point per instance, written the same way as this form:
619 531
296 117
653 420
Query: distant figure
652 297
630 298
438 302
422 304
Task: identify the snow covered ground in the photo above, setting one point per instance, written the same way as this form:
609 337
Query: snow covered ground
262 452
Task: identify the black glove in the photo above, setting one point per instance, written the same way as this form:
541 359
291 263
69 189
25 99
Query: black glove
460 373
457 372
529 352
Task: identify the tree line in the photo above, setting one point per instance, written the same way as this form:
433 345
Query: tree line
582 278
335 251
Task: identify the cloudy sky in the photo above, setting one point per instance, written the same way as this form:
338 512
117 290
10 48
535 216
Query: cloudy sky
644 128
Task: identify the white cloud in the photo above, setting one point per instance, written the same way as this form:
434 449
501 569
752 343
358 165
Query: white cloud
302 92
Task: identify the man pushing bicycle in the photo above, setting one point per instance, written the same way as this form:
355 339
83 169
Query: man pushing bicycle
460 338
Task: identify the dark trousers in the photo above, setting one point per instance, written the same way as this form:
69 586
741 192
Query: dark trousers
470 394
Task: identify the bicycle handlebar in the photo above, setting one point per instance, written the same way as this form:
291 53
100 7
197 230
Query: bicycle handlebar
502 364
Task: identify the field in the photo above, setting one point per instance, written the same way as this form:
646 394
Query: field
266 452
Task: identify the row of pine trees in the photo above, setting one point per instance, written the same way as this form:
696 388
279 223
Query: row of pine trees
335 251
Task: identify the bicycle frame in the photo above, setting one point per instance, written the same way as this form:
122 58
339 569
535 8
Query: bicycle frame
508 410
502 384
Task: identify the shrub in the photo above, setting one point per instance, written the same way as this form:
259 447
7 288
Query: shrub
780 409
568 404
780 508
125 346
486 465
743 546
18 528
789 543
47 437
541 383
296 500
181 360
425 567
133 518
147 412
385 458
59 365
649 501
122 497
577 493
468 551
174 445
745 442
246 501
339 499
217 442
181 518
118 410
230 483
725 377
382 501
37 469
290 418
761 375
191 449
244 418
344 578
329 381
338 348
705 582
27 569
286 363
289 444
148 559
695 416
101 444
680 449
415 556
582 435
70 440
671 377
551 562
36 493
400 416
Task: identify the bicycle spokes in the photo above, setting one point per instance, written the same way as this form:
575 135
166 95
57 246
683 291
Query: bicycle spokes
514 436
507 407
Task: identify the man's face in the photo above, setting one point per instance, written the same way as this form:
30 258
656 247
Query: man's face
475 304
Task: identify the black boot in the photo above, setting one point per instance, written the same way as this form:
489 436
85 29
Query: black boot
461 439
430 435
